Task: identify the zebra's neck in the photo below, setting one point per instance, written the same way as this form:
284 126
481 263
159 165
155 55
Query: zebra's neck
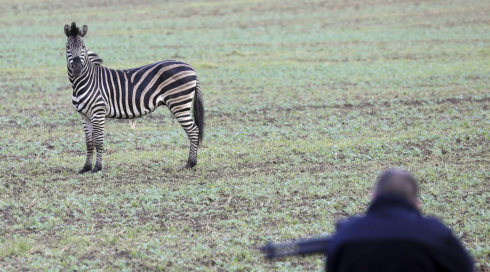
81 84
94 58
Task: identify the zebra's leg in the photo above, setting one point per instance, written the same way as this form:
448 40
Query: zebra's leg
98 124
192 133
185 120
88 128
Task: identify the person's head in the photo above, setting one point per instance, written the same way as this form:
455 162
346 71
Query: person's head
398 182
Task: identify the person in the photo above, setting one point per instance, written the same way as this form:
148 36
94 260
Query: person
393 235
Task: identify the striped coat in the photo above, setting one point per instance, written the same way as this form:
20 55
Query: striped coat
100 92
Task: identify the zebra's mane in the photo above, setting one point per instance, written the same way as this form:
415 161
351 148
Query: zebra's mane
94 58
74 30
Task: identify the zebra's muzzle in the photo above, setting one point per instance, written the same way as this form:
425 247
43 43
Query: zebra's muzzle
77 66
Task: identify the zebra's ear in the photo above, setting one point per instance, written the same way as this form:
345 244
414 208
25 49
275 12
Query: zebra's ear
67 30
83 31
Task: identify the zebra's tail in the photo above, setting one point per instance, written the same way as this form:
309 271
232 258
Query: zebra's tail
199 112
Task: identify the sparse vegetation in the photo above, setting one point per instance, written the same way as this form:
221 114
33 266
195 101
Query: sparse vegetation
307 102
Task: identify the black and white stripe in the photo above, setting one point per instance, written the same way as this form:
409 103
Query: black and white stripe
100 92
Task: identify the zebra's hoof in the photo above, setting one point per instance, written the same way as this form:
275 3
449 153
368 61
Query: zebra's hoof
85 169
96 169
189 165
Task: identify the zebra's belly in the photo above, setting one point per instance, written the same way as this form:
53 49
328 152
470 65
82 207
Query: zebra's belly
113 113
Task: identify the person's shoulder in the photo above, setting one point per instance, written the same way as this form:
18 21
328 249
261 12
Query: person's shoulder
349 227
436 224
433 232
345 229
348 222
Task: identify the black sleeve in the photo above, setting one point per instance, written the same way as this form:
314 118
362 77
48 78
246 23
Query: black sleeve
457 259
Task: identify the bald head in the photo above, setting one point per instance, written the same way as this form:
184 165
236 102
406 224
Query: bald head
397 182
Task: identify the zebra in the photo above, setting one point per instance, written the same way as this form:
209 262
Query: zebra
100 92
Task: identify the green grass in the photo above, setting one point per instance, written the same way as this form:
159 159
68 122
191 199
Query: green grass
307 103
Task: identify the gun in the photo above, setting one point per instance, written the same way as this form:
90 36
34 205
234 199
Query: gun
301 247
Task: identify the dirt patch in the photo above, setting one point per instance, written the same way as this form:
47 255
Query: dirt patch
8 217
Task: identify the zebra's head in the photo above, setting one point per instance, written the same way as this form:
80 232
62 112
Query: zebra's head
76 52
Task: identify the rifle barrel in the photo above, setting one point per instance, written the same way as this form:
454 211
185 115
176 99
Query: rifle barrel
302 247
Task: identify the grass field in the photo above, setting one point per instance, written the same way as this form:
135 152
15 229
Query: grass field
307 102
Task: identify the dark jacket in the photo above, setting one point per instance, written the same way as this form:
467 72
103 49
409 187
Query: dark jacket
395 237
